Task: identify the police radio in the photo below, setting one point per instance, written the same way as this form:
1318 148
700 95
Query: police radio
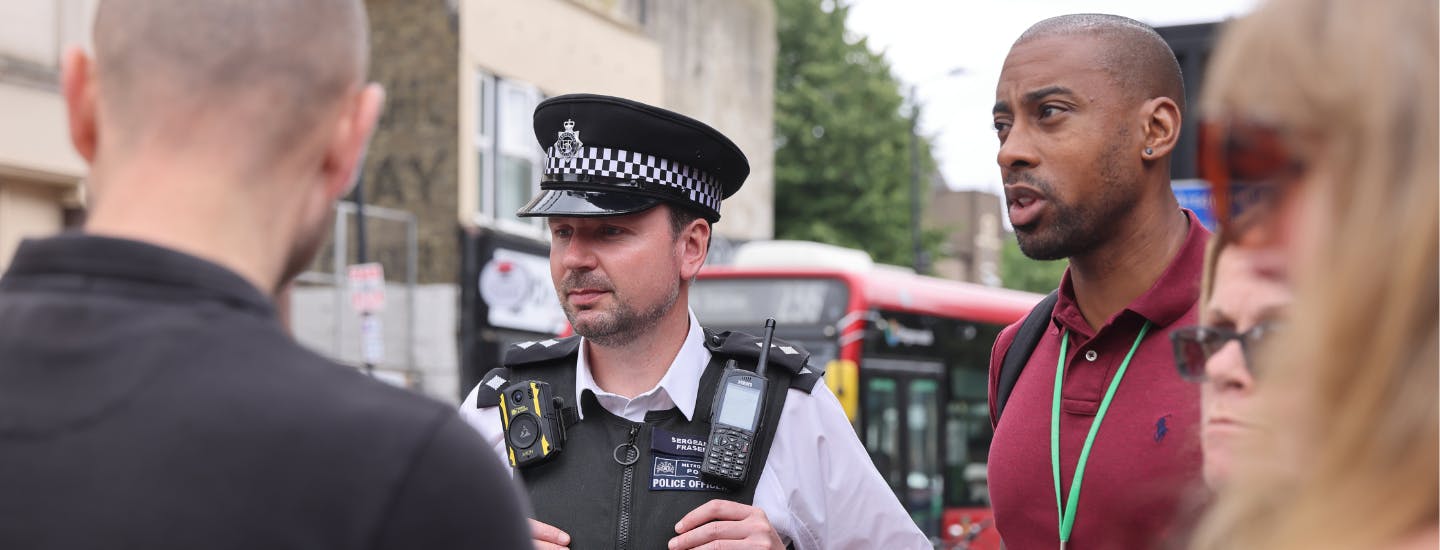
534 429
734 419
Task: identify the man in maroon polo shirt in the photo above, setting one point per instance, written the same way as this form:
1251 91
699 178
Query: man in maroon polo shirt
1088 110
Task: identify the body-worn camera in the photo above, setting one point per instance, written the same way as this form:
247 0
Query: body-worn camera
534 430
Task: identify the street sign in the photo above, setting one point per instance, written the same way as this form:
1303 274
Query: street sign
367 288
1195 195
517 291
372 339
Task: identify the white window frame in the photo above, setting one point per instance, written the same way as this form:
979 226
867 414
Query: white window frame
522 145
489 144
485 146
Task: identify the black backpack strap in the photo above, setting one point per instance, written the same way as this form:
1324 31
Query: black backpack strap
1018 354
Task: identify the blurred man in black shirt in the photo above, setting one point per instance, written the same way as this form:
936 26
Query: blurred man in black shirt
149 398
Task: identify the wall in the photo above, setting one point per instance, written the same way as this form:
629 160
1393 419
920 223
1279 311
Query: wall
562 47
972 226
413 160
558 46
720 68
39 171
27 210
420 348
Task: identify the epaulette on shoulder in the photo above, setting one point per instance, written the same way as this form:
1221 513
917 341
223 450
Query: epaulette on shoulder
791 357
519 356
541 351
487 393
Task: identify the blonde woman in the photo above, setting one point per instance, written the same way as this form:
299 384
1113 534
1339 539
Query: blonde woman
1321 137
1242 306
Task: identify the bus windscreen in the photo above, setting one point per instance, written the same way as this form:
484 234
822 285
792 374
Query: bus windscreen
747 301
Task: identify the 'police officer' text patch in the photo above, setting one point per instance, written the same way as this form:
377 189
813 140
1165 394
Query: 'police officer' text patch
676 463
678 474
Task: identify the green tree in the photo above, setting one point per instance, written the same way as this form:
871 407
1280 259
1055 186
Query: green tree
1022 273
842 140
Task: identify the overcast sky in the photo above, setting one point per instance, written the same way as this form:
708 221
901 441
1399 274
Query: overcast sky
926 39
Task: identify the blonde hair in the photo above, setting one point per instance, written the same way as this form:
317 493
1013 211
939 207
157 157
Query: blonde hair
1350 390
1213 249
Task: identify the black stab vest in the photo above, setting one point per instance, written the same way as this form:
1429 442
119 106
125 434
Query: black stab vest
589 492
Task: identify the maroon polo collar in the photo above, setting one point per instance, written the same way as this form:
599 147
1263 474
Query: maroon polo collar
1167 300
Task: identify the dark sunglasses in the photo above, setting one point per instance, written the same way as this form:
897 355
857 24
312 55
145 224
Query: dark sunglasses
1194 346
1250 168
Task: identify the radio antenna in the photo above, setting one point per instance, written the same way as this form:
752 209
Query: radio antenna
765 347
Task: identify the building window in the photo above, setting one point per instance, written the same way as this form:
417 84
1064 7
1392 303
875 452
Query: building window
520 156
508 159
485 142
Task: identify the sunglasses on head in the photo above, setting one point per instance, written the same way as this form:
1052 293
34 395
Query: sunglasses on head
1250 168
1195 345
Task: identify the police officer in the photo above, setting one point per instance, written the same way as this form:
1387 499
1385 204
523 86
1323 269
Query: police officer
630 192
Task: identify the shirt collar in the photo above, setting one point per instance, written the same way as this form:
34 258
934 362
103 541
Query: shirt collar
678 388
139 262
1168 299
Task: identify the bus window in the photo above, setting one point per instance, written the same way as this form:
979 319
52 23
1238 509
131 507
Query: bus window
822 352
907 357
902 412
882 429
967 422
923 482
817 303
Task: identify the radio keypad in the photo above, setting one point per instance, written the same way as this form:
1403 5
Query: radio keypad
730 450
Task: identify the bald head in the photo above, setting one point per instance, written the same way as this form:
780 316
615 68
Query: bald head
1134 55
175 69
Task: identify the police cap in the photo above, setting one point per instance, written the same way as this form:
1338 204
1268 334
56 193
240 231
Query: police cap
610 156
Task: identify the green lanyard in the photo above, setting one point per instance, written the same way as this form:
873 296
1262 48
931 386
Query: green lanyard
1067 513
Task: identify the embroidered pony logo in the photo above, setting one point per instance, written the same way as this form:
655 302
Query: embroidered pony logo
1161 428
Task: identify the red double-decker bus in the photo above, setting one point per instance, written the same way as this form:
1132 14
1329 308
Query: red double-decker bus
906 354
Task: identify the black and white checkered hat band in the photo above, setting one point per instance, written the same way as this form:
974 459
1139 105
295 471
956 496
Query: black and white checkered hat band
618 163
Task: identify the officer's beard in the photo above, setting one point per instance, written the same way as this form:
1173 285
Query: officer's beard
621 324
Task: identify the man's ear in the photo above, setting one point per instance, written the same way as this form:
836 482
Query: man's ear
693 244
1162 127
77 83
350 139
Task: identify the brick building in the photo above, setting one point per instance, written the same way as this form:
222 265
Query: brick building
973 234
455 157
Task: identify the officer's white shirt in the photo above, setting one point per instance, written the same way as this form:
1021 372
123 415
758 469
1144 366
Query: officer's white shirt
818 488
